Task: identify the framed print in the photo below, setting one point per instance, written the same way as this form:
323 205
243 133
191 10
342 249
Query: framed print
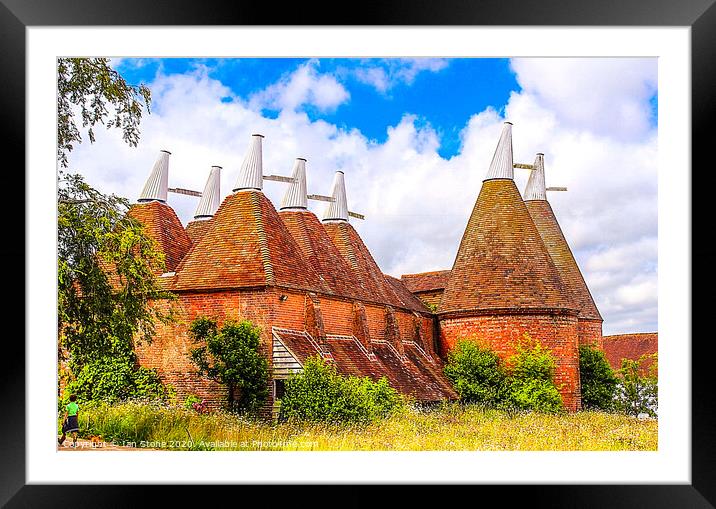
675 43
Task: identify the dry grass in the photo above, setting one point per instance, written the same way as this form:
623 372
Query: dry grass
448 428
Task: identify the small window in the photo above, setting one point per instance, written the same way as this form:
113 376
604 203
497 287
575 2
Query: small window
279 389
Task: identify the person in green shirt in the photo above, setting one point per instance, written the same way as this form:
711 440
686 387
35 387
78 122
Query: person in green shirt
70 424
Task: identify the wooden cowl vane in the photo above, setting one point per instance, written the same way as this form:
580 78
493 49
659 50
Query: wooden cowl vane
159 219
208 204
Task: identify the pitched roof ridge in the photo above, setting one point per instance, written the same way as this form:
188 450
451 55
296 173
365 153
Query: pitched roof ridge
350 251
263 241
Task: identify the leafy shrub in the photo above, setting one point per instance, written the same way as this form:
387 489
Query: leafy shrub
637 393
598 381
476 373
524 382
531 375
319 393
231 357
116 379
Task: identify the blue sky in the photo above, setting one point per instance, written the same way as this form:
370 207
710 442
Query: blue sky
415 138
444 100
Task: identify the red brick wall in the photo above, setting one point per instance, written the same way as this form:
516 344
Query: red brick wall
558 333
376 321
590 333
291 312
170 350
337 316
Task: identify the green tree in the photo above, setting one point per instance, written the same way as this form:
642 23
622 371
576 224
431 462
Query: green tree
106 282
476 373
597 379
231 357
637 392
100 95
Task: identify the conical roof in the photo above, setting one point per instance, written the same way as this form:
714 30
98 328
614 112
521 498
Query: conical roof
367 273
157 185
211 197
502 263
296 196
318 249
546 222
197 229
162 224
251 174
247 246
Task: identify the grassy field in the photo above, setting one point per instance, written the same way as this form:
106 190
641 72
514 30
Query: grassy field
450 427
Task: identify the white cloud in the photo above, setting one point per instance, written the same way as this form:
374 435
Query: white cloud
303 86
609 96
416 202
390 72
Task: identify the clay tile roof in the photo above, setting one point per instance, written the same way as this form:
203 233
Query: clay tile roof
162 224
367 273
426 281
197 229
322 254
298 343
630 346
415 376
502 262
548 227
248 245
409 300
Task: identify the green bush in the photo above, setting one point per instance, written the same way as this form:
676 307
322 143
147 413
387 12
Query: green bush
319 393
531 378
476 373
116 379
597 379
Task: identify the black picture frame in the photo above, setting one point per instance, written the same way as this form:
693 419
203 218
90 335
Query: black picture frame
700 15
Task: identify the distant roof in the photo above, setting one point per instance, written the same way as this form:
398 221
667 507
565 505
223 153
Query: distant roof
502 262
416 375
409 300
426 281
630 346
162 224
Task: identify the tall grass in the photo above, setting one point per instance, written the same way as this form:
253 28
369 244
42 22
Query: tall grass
450 427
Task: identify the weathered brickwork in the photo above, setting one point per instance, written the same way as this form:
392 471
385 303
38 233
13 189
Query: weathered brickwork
170 349
590 333
269 307
559 333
